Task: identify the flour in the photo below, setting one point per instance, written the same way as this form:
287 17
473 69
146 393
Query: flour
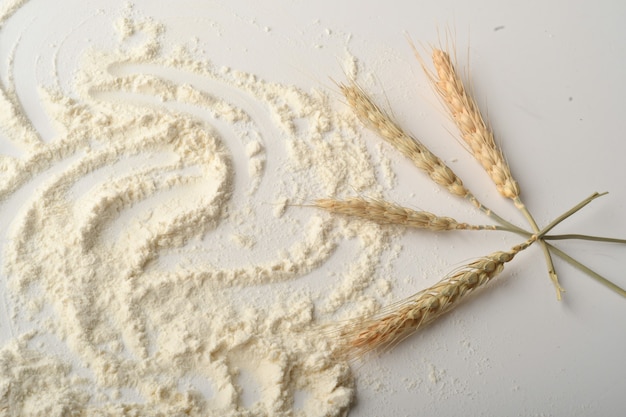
162 255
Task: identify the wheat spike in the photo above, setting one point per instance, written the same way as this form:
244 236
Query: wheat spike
470 122
397 321
384 212
376 119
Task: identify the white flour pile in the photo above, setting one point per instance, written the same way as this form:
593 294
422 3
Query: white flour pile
158 260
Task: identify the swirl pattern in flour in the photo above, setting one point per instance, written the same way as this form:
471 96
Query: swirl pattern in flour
154 262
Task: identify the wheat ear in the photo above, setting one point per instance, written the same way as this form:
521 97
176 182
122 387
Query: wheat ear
379 121
383 212
399 320
470 122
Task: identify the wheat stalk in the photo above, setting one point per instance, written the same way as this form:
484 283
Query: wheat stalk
399 320
384 212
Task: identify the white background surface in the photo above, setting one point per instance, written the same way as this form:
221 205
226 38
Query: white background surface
550 74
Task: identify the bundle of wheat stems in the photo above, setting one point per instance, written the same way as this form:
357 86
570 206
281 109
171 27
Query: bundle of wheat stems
394 322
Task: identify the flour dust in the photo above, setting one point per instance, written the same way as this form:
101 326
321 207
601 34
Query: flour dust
159 255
